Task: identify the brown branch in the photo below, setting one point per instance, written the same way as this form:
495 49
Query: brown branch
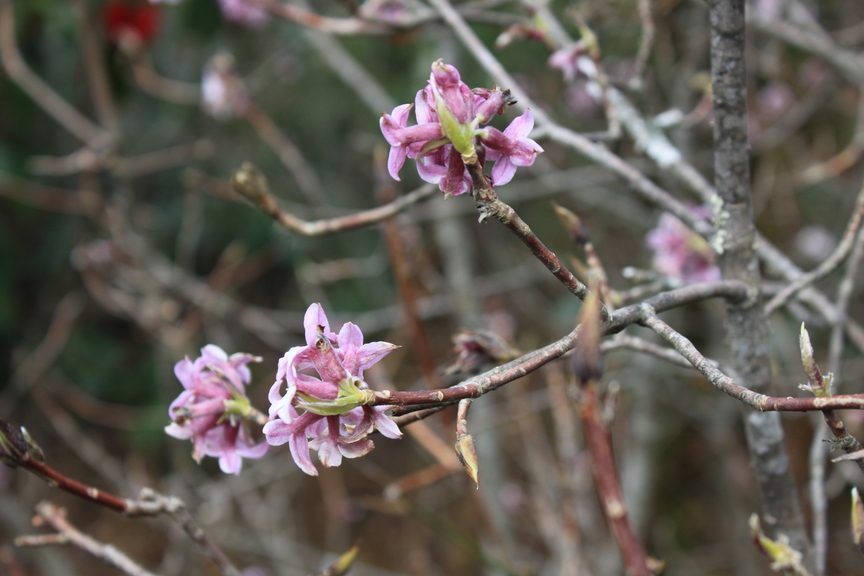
481 384
42 94
68 534
18 450
829 264
724 383
252 185
488 204
336 26
288 152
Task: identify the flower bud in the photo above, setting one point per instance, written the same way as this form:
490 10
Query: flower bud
857 520
818 385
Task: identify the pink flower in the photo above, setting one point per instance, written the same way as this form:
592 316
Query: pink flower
325 380
680 253
449 116
511 148
209 411
222 92
244 13
567 60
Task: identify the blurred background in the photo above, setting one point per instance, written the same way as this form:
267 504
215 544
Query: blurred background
123 249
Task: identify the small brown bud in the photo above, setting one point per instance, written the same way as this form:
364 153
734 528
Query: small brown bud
587 358
573 224
251 183
13 445
467 452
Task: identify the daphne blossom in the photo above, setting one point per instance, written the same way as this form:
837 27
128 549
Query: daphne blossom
449 126
211 408
679 253
324 403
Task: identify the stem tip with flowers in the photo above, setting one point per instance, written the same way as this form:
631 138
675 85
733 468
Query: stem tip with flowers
335 418
448 134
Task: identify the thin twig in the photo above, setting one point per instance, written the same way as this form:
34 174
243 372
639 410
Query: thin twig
308 19
829 264
251 184
641 345
68 534
42 94
645 44
488 204
18 450
288 152
725 384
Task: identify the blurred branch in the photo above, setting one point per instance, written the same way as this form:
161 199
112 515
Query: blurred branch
68 534
288 153
151 82
819 44
829 264
46 98
336 26
42 196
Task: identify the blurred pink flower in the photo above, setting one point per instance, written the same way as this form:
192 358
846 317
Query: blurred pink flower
223 95
567 60
335 421
680 253
449 116
244 12
208 411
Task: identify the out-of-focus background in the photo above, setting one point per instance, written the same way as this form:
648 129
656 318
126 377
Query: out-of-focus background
117 262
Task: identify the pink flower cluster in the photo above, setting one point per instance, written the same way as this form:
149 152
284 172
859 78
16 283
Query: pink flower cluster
680 253
449 119
214 382
325 380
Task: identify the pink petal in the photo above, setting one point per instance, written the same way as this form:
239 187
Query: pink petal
395 161
356 449
521 126
383 423
503 171
371 353
314 318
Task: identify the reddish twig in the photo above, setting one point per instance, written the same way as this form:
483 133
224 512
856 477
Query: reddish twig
488 204
68 534
18 450
405 282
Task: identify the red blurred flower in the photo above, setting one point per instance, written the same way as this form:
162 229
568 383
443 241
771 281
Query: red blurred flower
130 17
